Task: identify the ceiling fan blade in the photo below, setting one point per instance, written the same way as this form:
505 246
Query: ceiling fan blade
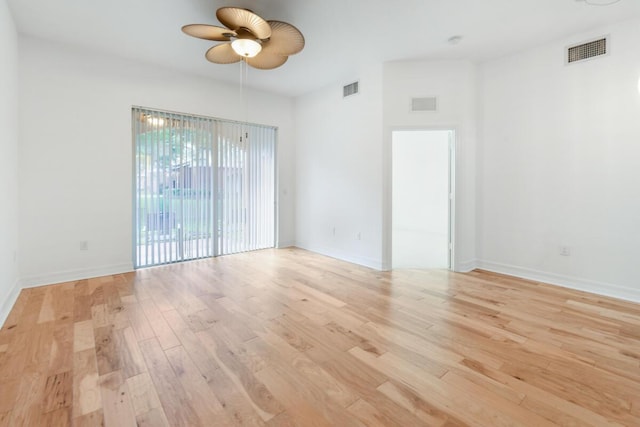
208 32
223 54
236 18
266 61
285 39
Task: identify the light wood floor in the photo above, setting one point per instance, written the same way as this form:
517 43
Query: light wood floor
287 337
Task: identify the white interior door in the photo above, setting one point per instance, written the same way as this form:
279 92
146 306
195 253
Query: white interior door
421 199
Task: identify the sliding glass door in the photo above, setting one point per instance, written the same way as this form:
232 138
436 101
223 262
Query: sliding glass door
202 187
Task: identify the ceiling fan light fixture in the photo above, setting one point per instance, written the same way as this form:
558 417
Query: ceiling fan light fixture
261 44
246 48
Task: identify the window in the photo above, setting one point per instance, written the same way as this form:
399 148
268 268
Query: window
203 187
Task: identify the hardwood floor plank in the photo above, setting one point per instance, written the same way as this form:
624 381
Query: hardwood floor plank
271 348
416 405
302 412
545 397
131 359
462 377
8 393
161 329
107 354
116 402
485 408
318 397
204 361
63 302
245 381
237 327
202 399
370 416
100 316
58 418
154 418
289 335
31 312
559 416
83 338
612 406
321 296
5 419
236 402
318 376
159 295
81 306
138 320
143 394
86 391
364 380
58 392
93 419
291 338
283 419
14 358
47 312
174 399
27 410
61 355
115 310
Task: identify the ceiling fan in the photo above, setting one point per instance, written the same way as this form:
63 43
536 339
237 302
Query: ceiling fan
261 44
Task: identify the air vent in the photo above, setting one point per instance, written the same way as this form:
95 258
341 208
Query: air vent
587 50
350 89
424 104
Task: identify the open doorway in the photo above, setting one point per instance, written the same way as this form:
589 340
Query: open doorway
422 198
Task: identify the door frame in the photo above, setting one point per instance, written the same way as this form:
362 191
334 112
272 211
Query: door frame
387 218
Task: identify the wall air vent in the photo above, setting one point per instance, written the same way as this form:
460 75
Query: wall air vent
587 50
424 104
350 89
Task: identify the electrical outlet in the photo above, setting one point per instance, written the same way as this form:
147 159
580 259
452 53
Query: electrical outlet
84 245
359 236
565 251
334 232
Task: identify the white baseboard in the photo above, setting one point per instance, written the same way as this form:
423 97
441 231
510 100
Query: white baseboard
70 275
286 244
376 264
9 302
577 283
465 266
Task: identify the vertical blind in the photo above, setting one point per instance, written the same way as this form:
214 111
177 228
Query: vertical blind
203 187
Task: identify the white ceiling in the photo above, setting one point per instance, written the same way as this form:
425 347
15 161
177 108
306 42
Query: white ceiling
341 35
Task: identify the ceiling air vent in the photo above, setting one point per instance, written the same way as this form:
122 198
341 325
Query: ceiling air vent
350 89
587 50
424 104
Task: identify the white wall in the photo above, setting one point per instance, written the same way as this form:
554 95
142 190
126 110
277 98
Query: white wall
75 152
557 162
339 171
454 84
560 165
9 171
343 157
